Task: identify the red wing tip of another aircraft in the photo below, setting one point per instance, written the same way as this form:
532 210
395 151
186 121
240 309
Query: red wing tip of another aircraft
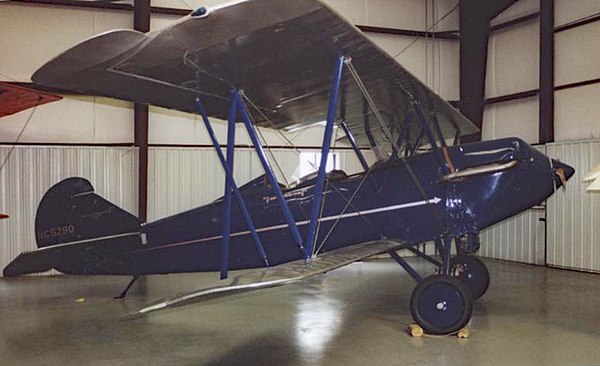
3 216
15 98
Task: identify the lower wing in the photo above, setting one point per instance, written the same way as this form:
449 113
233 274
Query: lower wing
278 275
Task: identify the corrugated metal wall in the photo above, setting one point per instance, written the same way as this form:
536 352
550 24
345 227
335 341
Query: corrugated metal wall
30 171
574 215
518 239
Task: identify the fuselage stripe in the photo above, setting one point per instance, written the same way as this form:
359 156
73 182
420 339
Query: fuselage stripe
434 201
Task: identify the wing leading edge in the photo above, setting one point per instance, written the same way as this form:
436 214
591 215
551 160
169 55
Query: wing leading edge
279 52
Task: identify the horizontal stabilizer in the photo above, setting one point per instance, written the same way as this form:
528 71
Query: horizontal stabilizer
69 258
277 276
30 262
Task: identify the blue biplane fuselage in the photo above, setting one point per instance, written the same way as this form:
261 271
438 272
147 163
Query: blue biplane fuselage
386 204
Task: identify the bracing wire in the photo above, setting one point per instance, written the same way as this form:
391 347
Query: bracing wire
297 150
322 208
358 188
12 148
430 28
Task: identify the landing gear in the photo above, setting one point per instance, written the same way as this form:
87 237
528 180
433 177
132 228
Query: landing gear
472 272
441 304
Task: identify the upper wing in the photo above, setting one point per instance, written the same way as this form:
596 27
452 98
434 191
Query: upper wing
281 53
14 98
279 275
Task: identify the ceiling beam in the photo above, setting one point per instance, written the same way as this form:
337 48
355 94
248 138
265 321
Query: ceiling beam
102 5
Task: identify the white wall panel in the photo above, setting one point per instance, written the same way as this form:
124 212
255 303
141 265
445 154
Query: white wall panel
577 113
183 178
518 239
31 35
444 72
446 9
578 54
72 120
513 60
31 171
568 11
574 214
407 14
512 119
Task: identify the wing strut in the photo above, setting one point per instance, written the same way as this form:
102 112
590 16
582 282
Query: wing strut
320 184
352 140
231 186
289 218
228 191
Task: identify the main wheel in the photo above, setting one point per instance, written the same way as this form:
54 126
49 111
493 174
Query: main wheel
441 304
472 272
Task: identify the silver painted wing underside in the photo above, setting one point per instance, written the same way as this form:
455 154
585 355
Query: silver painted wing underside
281 53
278 275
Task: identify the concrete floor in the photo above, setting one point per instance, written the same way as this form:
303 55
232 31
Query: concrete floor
352 316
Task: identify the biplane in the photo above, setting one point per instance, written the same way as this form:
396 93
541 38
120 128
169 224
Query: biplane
287 64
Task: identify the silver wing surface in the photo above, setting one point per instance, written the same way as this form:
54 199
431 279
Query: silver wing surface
281 53
278 275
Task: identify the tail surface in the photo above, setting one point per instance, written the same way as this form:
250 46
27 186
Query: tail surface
71 211
79 232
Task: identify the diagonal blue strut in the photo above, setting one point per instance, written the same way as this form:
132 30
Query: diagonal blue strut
231 183
355 146
289 218
320 183
228 192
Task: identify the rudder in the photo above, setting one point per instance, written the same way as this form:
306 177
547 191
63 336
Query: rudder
71 211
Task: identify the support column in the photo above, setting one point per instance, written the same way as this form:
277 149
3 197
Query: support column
140 113
474 36
141 22
546 126
475 17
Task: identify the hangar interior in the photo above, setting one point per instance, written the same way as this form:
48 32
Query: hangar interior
539 80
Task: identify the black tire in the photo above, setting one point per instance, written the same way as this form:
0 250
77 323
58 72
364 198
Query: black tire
441 304
472 272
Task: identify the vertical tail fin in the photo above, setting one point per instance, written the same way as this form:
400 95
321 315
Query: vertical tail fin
71 211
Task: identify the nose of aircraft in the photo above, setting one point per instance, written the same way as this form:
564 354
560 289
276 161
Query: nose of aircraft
562 173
